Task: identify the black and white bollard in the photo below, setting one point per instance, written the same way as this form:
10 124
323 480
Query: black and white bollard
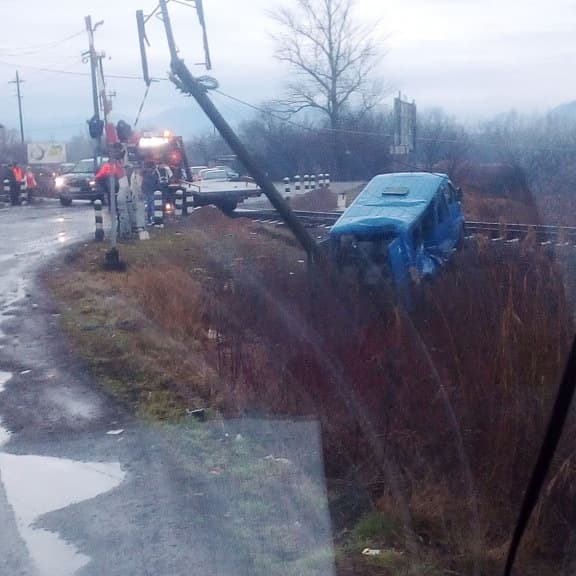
326 180
23 194
297 184
320 180
99 221
287 185
306 182
6 190
189 202
158 209
313 182
179 203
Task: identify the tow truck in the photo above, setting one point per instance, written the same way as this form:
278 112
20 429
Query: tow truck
212 188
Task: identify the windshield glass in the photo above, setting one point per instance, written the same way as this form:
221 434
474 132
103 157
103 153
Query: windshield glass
315 316
214 175
83 167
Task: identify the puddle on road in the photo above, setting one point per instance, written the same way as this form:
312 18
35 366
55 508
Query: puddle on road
36 485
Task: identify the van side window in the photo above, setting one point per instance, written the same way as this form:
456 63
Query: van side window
446 192
453 193
429 220
442 207
417 236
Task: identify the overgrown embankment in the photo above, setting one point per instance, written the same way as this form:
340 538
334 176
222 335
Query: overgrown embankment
430 418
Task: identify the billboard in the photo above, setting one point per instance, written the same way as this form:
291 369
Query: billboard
404 127
47 153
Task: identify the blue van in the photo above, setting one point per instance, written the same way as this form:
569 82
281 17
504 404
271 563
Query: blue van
401 226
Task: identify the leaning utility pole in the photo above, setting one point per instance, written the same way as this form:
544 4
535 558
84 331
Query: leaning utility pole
194 87
18 81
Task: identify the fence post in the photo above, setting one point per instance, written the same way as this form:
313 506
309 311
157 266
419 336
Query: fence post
99 220
158 209
297 183
306 182
287 185
179 204
313 182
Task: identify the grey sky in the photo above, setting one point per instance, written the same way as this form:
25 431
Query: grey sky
472 57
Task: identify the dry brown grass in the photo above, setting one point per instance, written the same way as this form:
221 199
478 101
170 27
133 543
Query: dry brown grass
434 414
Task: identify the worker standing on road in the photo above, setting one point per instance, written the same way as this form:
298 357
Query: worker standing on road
31 184
109 175
16 184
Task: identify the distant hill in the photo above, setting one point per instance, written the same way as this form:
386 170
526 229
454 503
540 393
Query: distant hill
566 110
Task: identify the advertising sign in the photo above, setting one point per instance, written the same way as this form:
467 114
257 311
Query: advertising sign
47 153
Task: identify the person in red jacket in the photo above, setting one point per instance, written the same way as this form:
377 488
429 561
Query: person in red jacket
108 177
16 184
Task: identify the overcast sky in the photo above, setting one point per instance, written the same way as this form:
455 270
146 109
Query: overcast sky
474 58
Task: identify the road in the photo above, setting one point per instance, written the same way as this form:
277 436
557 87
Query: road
85 489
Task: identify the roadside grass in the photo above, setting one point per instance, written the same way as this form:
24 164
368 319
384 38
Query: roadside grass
265 514
431 416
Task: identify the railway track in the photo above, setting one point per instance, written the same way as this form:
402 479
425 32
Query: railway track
496 231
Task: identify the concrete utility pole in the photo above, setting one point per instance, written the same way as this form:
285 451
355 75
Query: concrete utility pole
94 73
19 81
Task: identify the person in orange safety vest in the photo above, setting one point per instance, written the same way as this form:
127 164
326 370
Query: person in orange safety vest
111 172
16 184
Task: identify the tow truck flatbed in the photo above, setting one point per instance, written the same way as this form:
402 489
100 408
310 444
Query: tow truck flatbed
224 195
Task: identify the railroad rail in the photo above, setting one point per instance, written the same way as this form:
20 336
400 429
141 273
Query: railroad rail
494 230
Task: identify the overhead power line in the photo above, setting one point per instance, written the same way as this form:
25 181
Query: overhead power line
36 48
287 121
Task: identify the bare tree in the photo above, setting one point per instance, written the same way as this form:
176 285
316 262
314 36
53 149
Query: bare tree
441 139
333 59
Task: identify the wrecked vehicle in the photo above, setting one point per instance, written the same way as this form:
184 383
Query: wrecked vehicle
401 227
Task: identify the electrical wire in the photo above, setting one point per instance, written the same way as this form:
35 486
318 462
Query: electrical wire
281 118
36 48
376 134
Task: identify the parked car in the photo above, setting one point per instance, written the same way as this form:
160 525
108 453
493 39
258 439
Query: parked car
400 225
79 183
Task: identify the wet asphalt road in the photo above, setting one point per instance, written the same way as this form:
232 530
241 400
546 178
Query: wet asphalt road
84 489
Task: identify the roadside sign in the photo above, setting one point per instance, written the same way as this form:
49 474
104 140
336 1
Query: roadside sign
47 153
404 127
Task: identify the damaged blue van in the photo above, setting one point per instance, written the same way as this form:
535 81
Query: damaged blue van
402 226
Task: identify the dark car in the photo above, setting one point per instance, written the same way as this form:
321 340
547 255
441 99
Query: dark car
79 183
